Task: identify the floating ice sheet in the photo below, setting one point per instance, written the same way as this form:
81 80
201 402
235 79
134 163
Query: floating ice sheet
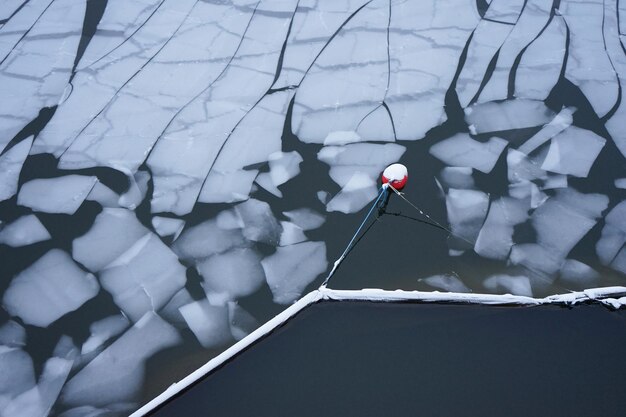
446 282
292 268
496 236
116 375
48 289
24 231
259 223
613 234
208 323
516 285
462 151
144 277
10 167
231 275
113 232
466 212
291 234
12 334
206 239
167 226
506 115
103 330
305 218
573 152
577 273
360 190
560 122
16 371
457 177
283 167
56 195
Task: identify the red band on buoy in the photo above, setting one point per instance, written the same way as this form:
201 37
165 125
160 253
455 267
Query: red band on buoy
396 175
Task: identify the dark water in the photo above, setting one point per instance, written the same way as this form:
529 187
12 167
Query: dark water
374 359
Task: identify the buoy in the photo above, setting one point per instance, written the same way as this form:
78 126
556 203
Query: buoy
396 175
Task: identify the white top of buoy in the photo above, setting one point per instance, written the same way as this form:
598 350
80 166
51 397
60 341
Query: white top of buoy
396 175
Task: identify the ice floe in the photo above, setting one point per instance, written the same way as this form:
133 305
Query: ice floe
462 151
457 177
10 167
167 226
466 212
291 234
560 122
496 235
56 195
16 371
144 277
114 231
241 322
574 272
358 192
259 223
208 323
516 285
510 114
24 231
292 268
283 167
206 239
613 234
12 334
231 275
48 289
573 152
102 330
446 282
117 374
305 218
35 73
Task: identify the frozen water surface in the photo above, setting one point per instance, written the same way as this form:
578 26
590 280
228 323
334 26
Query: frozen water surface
203 162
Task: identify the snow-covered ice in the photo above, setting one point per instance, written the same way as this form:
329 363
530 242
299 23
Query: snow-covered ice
102 330
24 231
144 277
292 268
167 226
117 374
16 371
210 324
305 218
231 275
466 212
573 152
496 236
48 289
510 114
10 167
462 151
56 195
12 334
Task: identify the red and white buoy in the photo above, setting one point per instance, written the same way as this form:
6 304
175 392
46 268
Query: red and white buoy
396 175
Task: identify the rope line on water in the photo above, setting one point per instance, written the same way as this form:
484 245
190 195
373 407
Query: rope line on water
428 217
383 192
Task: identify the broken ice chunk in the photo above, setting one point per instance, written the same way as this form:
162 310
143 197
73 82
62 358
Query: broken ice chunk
448 283
619 262
366 158
292 268
458 177
208 323
283 167
227 187
466 212
170 311
241 322
573 152
11 166
65 348
259 222
560 122
206 239
521 168
144 277
620 183
578 273
16 371
342 137
305 218
48 289
356 194
463 151
507 115
102 194
56 195
167 226
113 232
117 374
103 330
12 334
291 234
496 236
555 181
24 231
516 285
613 234
38 401
231 275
